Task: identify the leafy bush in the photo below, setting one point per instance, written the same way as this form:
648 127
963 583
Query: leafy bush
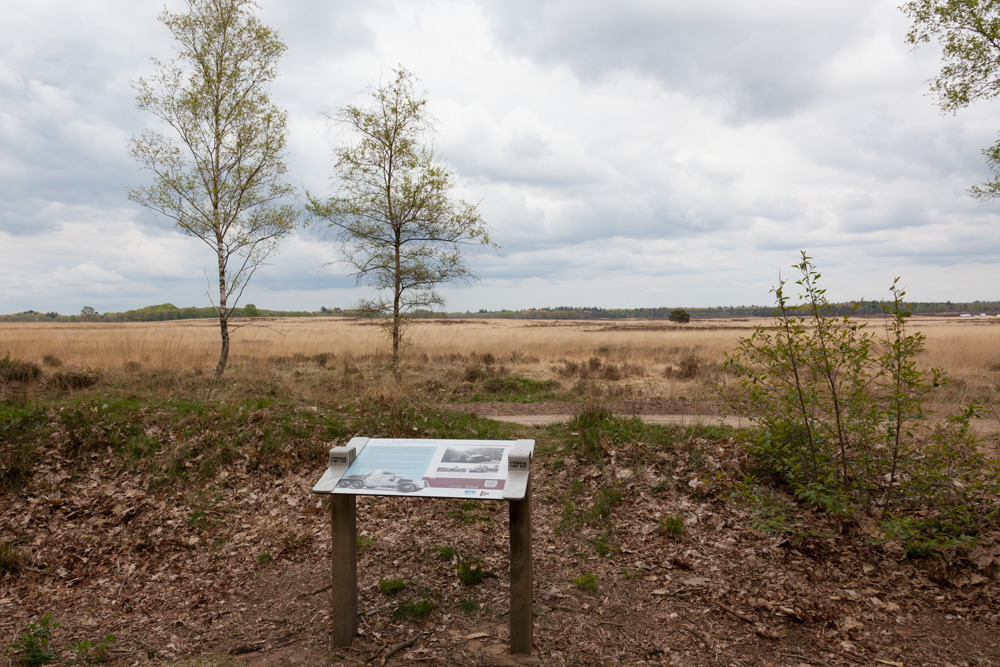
841 416
680 316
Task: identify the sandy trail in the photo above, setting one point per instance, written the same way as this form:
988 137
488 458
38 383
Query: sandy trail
651 412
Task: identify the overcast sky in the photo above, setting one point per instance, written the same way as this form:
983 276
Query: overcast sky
635 153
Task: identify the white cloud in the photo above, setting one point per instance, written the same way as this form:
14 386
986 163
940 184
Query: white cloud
631 153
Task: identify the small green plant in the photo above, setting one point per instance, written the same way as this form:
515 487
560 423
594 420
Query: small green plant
586 582
589 428
391 586
771 514
631 574
86 652
602 506
264 557
660 487
468 512
569 515
922 537
33 646
445 553
470 572
602 543
363 543
671 525
415 608
197 519
469 606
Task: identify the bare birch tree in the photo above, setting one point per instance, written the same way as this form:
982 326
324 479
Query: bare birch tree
220 176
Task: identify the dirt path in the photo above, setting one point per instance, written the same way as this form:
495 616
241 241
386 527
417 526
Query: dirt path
652 412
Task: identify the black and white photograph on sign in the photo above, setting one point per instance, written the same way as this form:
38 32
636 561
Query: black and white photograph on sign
473 455
380 479
483 469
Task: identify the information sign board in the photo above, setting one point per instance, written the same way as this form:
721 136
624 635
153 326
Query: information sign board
486 469
481 469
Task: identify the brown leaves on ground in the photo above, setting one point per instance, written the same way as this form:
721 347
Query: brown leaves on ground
237 568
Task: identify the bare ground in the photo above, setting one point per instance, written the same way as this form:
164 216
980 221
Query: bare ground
238 568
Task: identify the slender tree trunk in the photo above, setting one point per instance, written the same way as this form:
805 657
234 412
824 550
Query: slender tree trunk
395 344
396 317
223 313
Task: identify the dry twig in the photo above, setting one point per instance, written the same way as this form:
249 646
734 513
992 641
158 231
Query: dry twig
399 647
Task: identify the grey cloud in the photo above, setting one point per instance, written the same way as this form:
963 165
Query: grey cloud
763 58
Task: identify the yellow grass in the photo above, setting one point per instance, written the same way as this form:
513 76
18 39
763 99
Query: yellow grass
647 359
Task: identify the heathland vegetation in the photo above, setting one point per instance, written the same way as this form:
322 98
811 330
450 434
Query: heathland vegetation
133 481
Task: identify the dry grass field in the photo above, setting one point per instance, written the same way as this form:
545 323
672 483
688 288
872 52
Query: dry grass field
171 514
639 360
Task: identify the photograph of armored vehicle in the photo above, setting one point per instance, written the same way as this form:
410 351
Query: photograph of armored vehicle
380 479
472 455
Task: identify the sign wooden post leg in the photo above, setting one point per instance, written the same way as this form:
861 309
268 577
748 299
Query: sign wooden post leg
344 557
521 597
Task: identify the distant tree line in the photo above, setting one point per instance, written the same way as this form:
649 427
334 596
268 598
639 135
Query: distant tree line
161 313
865 308
168 311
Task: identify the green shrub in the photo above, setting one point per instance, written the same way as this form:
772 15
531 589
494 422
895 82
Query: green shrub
679 315
841 420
